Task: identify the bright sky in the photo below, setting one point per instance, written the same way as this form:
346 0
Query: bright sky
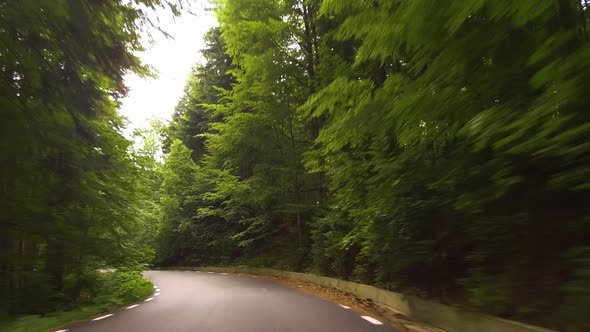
173 60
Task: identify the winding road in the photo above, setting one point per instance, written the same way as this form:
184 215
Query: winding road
215 302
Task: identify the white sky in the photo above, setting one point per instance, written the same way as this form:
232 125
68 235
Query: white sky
173 60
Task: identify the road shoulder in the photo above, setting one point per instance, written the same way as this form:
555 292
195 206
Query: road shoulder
363 306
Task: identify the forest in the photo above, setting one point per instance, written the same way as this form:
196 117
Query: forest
70 193
439 149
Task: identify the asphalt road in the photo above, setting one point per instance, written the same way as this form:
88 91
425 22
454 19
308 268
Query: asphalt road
214 302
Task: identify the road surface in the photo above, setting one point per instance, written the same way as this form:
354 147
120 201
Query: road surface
214 302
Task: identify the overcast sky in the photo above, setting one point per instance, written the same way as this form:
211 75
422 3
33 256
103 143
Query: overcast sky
173 60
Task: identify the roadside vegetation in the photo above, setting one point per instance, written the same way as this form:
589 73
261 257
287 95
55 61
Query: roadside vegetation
432 148
107 291
70 182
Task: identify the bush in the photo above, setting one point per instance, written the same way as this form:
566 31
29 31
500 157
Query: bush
118 288
106 291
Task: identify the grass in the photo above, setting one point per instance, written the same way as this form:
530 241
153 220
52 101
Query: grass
122 291
52 320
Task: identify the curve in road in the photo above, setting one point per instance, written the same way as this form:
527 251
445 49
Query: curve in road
214 302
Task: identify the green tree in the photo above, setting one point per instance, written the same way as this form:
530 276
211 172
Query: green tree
191 125
206 85
67 177
434 150
467 117
260 142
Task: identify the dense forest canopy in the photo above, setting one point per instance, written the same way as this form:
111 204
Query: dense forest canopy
439 150
69 191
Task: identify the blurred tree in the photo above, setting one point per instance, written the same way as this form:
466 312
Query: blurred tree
437 150
467 167
66 176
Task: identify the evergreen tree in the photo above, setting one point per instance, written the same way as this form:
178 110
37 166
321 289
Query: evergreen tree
66 175
435 150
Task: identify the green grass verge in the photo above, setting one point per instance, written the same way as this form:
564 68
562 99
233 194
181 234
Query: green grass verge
122 291
39 323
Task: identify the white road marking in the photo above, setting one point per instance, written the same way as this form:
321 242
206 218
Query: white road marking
157 290
210 272
62 331
157 294
155 286
132 306
148 300
372 320
343 306
102 317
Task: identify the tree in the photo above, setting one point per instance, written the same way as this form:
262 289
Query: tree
187 236
66 174
463 134
426 149
206 85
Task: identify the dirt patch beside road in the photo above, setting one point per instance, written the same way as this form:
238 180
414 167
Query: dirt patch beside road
360 305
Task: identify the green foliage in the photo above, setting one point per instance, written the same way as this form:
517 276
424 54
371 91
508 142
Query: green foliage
115 289
70 190
577 290
109 291
49 321
467 117
438 150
